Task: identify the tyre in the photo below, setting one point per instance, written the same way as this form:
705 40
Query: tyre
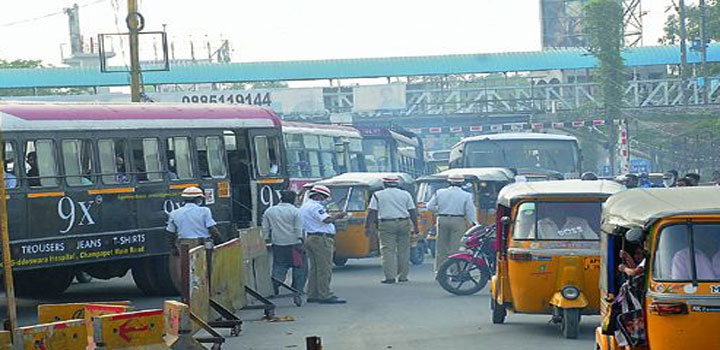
44 282
461 277
570 324
340 262
152 276
417 254
83 277
498 311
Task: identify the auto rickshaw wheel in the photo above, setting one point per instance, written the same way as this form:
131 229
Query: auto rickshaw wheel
339 261
498 311
570 324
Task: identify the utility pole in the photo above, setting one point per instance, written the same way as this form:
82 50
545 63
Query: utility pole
703 47
134 25
683 54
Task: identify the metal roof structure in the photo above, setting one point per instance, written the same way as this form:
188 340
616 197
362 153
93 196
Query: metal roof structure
642 207
517 191
558 59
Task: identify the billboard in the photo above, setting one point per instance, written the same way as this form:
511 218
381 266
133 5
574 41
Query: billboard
561 22
379 97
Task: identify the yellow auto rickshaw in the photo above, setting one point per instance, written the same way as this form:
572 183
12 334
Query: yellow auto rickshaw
483 183
549 250
681 306
351 193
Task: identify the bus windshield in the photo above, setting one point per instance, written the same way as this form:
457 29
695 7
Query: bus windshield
561 221
377 155
558 155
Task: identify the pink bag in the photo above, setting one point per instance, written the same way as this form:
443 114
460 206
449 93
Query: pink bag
297 256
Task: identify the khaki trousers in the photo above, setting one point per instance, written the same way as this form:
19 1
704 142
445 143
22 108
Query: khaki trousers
395 248
320 251
450 231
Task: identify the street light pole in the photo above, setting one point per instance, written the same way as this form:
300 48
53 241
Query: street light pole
703 47
683 54
133 24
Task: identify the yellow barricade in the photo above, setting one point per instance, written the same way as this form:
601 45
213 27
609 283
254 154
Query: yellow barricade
64 335
198 284
178 327
257 263
71 311
227 282
5 340
139 330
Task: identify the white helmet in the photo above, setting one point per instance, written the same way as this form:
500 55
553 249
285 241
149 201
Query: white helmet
192 192
320 189
456 179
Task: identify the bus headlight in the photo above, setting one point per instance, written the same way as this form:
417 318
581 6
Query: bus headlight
570 293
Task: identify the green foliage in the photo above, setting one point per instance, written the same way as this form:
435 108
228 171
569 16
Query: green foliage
603 29
672 24
269 85
16 64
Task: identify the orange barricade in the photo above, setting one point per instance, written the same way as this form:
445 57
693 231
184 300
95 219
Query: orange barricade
138 330
64 335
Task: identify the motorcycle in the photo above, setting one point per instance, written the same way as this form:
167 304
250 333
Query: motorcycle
467 272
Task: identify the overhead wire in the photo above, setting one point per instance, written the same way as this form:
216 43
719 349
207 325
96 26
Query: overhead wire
52 14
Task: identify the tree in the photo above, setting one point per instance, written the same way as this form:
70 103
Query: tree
672 24
603 29
269 85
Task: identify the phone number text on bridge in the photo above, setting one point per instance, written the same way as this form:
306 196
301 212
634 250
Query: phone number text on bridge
258 98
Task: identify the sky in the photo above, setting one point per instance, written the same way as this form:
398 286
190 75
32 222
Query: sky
276 30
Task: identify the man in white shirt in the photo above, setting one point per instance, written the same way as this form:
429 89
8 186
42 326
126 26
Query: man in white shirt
190 224
282 226
454 209
393 210
320 243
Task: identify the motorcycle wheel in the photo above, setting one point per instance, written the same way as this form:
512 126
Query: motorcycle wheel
454 274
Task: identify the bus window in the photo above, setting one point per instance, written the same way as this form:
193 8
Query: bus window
146 159
327 156
40 167
266 156
377 155
178 159
312 149
9 162
77 159
210 155
113 161
356 155
295 155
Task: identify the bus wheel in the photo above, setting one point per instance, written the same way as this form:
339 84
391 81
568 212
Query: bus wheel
43 282
152 276
340 261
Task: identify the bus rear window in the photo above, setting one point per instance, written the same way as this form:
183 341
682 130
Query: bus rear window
40 165
9 156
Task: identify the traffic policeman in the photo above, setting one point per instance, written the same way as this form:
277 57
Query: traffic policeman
191 224
393 210
320 244
452 206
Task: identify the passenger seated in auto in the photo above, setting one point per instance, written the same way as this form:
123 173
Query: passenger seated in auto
573 227
681 266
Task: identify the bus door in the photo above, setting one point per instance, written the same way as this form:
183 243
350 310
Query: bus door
237 147
268 175
213 176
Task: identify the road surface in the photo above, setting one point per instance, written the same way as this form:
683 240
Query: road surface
410 316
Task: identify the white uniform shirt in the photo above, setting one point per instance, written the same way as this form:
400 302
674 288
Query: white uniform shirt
312 214
453 201
282 224
191 221
392 203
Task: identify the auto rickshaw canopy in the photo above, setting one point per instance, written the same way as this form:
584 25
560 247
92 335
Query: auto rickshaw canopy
372 180
642 207
515 192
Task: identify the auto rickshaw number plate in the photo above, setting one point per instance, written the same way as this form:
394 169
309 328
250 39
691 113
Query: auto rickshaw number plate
592 263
